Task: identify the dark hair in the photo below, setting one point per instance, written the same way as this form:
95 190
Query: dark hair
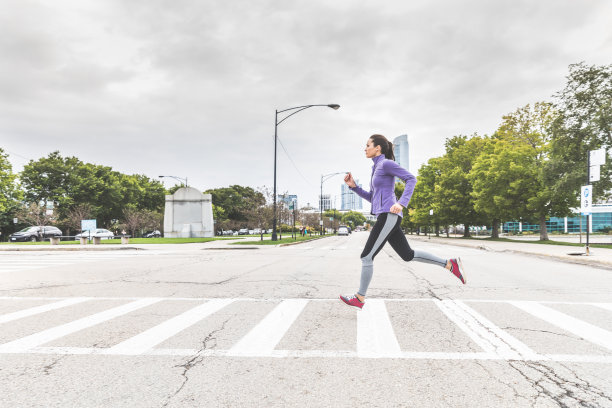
386 147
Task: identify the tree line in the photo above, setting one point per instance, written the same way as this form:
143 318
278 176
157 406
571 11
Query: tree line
529 169
62 191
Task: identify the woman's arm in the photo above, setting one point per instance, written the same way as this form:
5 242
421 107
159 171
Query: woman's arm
366 195
393 169
348 179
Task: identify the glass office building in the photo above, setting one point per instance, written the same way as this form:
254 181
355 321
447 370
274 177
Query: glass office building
601 221
401 150
349 200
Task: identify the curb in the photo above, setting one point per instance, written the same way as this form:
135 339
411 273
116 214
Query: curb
47 249
565 258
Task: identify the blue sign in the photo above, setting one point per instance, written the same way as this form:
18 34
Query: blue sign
88 225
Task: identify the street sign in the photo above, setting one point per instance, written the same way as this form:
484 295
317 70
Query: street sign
430 212
594 173
320 222
597 157
586 199
88 225
15 220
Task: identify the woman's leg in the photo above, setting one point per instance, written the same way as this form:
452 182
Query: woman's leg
379 235
399 243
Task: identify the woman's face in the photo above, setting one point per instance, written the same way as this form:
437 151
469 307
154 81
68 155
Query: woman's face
371 150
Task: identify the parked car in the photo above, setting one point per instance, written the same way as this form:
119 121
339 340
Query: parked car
243 231
343 231
257 231
35 233
97 233
152 234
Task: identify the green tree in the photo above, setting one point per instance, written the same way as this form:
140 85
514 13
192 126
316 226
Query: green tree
529 129
453 199
503 178
237 201
423 197
67 182
10 194
584 123
353 219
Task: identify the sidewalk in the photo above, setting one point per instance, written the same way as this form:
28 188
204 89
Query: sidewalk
601 257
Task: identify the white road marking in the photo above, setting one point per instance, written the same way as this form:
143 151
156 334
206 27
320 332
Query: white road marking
262 339
375 335
568 323
45 336
8 317
477 332
607 306
155 335
502 337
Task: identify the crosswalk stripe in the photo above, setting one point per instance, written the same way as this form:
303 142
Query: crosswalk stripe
155 335
262 339
45 336
511 341
479 334
375 335
8 317
607 306
568 323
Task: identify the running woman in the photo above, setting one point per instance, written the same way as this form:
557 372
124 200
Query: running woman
388 212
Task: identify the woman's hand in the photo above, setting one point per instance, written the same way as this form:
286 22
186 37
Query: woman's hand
397 208
348 179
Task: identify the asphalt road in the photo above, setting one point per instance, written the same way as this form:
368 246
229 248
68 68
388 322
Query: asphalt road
199 326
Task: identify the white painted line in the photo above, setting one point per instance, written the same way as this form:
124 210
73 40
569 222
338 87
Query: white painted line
315 354
45 336
375 335
8 317
480 335
568 323
513 343
262 339
155 335
607 306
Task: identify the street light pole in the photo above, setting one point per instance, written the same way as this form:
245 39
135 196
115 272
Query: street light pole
296 109
177 178
324 177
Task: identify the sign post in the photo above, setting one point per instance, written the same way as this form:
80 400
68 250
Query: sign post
586 207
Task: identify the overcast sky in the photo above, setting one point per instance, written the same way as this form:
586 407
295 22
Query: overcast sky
189 88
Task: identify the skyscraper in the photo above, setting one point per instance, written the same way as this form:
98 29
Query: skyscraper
325 201
350 200
401 150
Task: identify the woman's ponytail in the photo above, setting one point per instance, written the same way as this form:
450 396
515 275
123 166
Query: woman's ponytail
390 155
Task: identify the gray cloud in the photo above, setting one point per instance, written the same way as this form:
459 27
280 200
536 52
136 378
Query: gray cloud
190 88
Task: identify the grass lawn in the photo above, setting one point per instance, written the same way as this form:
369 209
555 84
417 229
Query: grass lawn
132 241
286 240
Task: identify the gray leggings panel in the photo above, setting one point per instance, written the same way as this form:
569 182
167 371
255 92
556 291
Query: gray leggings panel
426 257
367 261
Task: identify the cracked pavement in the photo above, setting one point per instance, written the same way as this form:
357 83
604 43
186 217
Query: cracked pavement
318 271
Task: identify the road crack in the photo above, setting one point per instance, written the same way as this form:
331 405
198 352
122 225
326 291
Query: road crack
196 359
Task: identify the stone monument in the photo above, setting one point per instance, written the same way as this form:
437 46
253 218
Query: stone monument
188 214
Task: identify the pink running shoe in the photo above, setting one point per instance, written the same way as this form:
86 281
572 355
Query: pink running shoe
457 269
352 300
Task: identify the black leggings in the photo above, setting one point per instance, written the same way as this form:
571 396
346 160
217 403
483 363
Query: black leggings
387 228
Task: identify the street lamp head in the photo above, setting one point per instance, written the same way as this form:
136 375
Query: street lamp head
334 106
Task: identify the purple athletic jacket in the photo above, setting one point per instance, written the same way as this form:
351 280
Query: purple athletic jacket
382 185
